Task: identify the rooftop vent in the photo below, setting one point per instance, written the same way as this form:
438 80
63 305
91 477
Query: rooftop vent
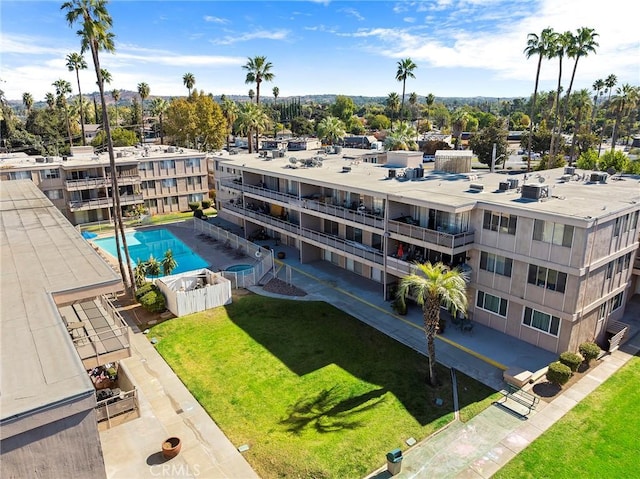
513 183
40 159
392 173
49 159
569 170
346 169
503 186
476 187
171 149
599 177
535 192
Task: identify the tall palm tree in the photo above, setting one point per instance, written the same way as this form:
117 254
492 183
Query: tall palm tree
393 104
230 113
63 88
252 94
581 101
402 138
433 286
95 35
252 118
258 70
50 99
459 121
143 91
598 86
559 48
27 100
331 129
609 83
106 76
623 103
276 94
536 45
115 94
76 62
189 81
159 107
429 100
405 70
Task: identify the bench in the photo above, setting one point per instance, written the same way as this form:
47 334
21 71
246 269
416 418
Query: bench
520 396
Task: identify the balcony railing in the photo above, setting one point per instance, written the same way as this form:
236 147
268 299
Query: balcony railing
431 236
105 181
106 202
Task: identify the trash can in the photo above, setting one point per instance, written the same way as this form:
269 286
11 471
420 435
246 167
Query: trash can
394 462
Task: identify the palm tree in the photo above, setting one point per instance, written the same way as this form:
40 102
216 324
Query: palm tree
276 94
106 76
609 83
159 107
95 35
252 118
402 138
459 122
429 100
50 99
230 113
115 94
152 266
252 94
624 102
559 48
63 88
331 129
169 263
536 45
393 104
27 99
598 86
405 70
140 273
189 81
76 62
143 91
258 70
581 102
433 286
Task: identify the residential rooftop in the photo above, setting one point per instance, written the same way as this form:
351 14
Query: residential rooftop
568 195
44 261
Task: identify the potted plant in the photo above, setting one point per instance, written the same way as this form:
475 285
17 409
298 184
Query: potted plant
171 447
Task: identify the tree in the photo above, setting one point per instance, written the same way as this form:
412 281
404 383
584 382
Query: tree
536 45
624 102
393 106
252 118
95 36
276 94
196 121
189 81
343 108
598 86
402 138
258 70
27 100
115 94
169 262
433 286
559 47
587 160
483 142
252 94
120 137
143 91
50 99
405 70
230 113
76 62
159 107
152 267
140 273
331 129
580 103
610 82
459 122
63 88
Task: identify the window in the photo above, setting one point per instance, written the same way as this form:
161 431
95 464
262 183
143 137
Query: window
192 162
194 181
634 220
542 321
166 164
20 175
602 312
609 270
195 198
152 203
554 233
170 200
149 185
500 222
169 183
616 301
492 303
54 194
547 278
496 263
145 166
49 174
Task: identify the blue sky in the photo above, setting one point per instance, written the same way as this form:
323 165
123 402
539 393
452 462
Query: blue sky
462 48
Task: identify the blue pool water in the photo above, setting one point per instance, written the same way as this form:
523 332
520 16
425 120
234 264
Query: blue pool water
236 268
143 244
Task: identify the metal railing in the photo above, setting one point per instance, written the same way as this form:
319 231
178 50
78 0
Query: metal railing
113 406
431 236
87 183
104 202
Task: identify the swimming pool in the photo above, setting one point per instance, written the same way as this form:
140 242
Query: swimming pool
143 244
237 268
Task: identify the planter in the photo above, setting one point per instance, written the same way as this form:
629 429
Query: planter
171 447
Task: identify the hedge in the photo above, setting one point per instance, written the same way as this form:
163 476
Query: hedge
589 351
194 205
558 373
154 301
572 360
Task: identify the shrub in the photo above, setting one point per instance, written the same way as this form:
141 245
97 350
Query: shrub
194 205
399 306
570 359
198 213
589 351
206 204
558 373
144 289
153 301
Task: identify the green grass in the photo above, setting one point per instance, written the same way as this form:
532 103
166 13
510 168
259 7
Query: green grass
313 391
153 220
597 438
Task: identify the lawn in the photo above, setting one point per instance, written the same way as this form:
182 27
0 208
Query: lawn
312 391
106 226
597 438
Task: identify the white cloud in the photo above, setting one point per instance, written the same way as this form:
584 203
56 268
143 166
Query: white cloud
212 19
352 12
257 35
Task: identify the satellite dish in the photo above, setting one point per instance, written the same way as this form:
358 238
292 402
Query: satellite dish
541 180
611 171
293 160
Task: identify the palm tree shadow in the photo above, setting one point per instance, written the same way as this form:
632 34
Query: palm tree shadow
329 411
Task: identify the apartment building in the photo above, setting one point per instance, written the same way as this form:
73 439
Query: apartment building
160 178
550 255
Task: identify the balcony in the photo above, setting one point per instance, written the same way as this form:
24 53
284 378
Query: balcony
440 238
106 202
101 182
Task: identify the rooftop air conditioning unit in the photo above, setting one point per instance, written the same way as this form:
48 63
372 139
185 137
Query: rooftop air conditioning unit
392 173
49 159
171 149
40 159
119 154
599 177
503 186
535 191
346 169
476 187
569 170
419 172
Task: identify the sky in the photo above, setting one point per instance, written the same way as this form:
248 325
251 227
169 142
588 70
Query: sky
462 48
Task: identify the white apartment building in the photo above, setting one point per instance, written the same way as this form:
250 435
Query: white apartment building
163 179
550 255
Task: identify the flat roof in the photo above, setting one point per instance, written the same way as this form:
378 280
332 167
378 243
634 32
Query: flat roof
576 198
41 255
